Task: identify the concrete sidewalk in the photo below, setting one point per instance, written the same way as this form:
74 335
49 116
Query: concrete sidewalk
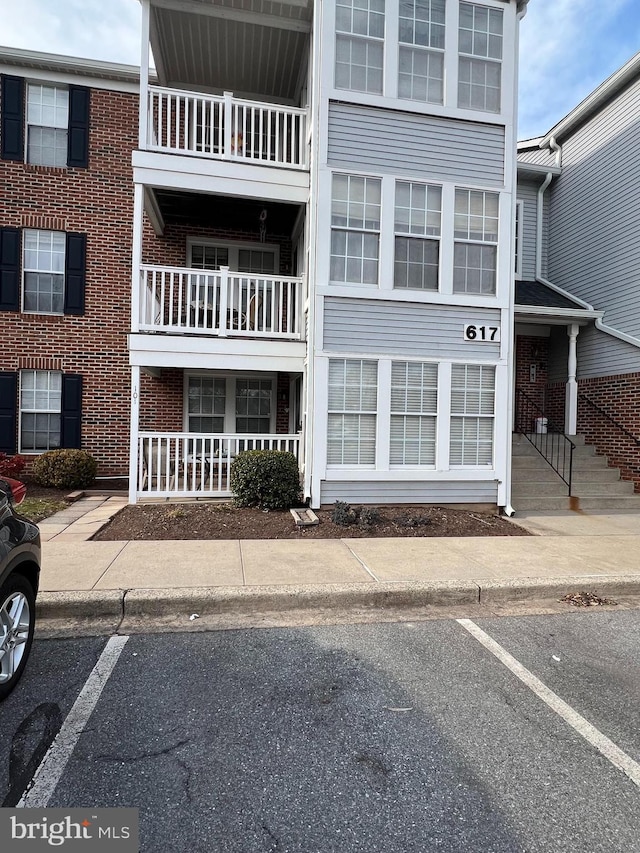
571 551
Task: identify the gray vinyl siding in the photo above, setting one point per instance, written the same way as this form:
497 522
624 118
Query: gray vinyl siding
600 354
421 147
406 328
408 492
539 156
528 194
594 250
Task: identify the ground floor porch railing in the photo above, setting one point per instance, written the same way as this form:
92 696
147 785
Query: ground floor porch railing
195 464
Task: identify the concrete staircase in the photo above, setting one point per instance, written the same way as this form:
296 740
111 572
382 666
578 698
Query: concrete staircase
596 486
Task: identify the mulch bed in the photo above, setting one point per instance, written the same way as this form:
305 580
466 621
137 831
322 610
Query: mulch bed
224 521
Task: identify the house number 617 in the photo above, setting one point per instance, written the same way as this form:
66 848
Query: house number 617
481 333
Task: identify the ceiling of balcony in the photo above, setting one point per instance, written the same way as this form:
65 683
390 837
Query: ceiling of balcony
253 48
226 213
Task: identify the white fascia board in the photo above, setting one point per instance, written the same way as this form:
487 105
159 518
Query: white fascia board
537 170
219 177
390 295
529 144
593 102
557 315
205 354
423 475
67 79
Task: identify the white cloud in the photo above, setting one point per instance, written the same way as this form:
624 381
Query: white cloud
567 48
93 29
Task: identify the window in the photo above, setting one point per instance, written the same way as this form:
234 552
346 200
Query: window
355 229
44 267
261 259
353 400
472 414
414 405
253 405
360 45
417 227
40 410
479 64
206 404
518 237
421 53
47 122
476 242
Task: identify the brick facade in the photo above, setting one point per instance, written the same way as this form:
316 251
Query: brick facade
619 399
98 202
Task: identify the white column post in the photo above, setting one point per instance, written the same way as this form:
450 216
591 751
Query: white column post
133 435
229 130
571 393
136 257
143 119
225 312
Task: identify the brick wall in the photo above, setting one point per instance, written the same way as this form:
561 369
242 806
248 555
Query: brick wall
98 202
619 397
532 351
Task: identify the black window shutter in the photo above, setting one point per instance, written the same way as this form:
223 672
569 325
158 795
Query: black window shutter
78 135
75 273
8 411
71 410
9 269
12 118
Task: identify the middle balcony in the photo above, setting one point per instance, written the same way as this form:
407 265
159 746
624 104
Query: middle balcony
220 303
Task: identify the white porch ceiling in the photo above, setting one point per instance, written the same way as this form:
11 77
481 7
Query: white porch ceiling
248 47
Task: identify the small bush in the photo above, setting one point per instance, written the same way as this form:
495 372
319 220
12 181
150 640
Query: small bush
269 479
65 469
369 517
343 514
11 466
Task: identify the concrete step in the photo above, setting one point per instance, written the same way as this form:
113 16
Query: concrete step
546 474
582 451
630 503
521 438
535 460
557 488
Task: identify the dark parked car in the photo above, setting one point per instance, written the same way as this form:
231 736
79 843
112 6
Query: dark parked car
19 577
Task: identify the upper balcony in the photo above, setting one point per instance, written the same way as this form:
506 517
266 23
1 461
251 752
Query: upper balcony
226 128
230 96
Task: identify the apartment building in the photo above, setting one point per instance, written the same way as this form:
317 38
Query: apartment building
323 247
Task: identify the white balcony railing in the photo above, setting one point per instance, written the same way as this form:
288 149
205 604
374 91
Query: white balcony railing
193 464
226 128
220 303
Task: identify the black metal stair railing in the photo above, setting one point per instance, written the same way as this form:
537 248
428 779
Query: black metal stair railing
550 442
633 439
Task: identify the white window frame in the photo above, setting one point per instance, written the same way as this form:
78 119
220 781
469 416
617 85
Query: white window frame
472 413
354 36
484 241
30 270
230 378
477 57
518 238
234 247
342 412
50 410
419 414
347 228
58 125
429 51
413 232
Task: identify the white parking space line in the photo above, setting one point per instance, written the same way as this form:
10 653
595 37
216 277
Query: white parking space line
584 728
51 768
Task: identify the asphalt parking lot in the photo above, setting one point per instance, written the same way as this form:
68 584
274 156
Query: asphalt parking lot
389 737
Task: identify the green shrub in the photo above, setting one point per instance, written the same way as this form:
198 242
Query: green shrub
65 469
266 478
368 518
343 514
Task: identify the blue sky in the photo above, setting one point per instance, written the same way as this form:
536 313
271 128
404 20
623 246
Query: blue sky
568 47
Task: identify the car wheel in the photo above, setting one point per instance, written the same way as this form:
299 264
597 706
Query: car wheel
17 621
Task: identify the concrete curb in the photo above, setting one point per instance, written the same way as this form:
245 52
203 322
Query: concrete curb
111 608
